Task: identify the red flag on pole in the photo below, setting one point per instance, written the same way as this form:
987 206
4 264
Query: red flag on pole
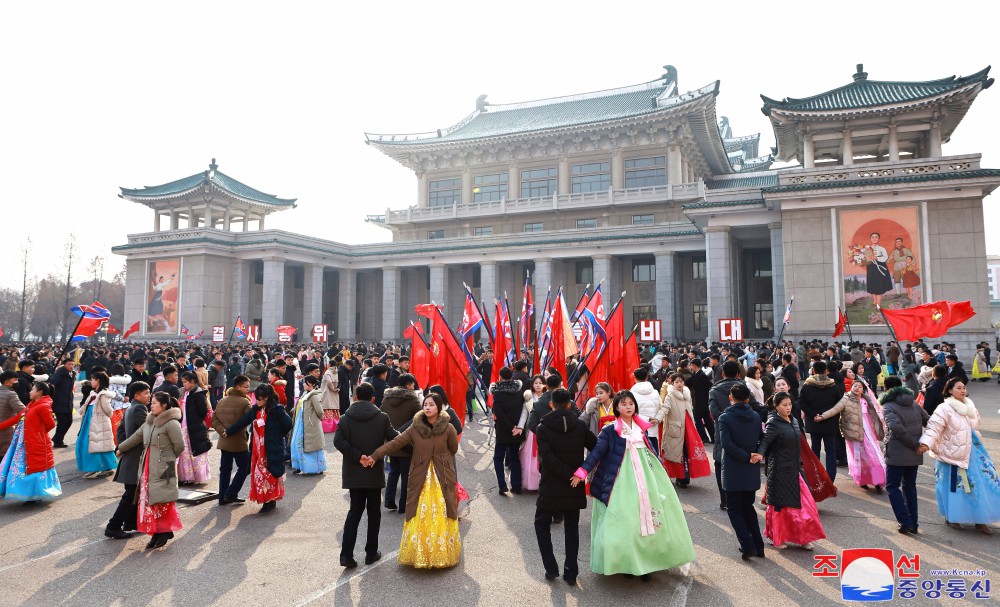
928 320
557 344
133 329
420 355
838 329
449 366
113 330
614 327
631 359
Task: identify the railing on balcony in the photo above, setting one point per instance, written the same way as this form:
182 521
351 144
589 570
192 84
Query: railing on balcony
685 192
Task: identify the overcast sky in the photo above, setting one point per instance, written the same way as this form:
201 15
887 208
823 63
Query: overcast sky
97 95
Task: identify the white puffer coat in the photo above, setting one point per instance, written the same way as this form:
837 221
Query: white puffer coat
649 405
102 437
949 431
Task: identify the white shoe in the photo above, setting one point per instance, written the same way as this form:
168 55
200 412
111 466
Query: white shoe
768 540
808 546
782 546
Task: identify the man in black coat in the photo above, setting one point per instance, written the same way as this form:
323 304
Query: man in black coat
169 384
62 381
139 373
377 380
362 430
25 377
718 402
344 382
508 402
955 368
123 521
562 438
739 435
819 393
700 385
521 373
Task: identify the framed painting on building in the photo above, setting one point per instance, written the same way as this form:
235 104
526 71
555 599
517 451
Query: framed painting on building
881 262
163 295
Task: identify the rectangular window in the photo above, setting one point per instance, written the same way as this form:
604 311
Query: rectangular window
489 188
643 313
643 270
258 273
762 265
444 192
539 182
700 317
763 316
477 276
484 231
646 172
642 220
584 272
582 224
435 234
532 227
592 177
298 277
698 269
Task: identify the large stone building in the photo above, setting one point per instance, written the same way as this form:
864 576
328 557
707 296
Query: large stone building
645 188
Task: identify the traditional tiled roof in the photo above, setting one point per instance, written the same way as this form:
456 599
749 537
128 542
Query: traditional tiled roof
756 164
856 183
747 143
864 93
212 177
750 181
714 204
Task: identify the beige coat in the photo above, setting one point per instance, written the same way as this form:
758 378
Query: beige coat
851 425
330 387
679 406
161 441
101 435
949 431
311 410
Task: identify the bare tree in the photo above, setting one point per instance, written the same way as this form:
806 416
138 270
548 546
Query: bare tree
25 294
97 271
70 254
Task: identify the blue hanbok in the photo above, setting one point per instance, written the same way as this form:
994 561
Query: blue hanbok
969 496
16 484
312 462
85 460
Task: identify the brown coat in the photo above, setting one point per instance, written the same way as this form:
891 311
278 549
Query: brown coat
161 441
438 444
230 409
311 409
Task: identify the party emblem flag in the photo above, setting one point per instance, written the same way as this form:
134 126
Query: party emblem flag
928 320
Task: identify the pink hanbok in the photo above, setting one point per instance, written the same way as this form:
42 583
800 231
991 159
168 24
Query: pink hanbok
865 461
191 469
796 525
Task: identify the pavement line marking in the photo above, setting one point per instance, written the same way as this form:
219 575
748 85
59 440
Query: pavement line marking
51 554
309 598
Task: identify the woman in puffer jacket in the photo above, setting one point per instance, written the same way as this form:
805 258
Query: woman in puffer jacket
95 445
681 449
968 490
863 427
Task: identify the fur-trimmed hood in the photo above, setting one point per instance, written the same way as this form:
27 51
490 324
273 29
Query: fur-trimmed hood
510 386
162 418
899 394
440 426
966 408
820 381
401 393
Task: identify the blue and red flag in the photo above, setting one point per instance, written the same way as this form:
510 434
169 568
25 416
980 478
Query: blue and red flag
241 328
184 330
91 319
592 318
524 325
472 321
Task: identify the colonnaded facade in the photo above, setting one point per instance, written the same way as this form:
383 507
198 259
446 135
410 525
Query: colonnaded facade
645 188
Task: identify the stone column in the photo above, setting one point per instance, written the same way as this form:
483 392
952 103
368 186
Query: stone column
488 284
601 265
439 283
777 275
674 176
893 144
541 280
226 220
241 290
175 220
513 181
246 221
665 294
312 297
934 140
617 169
390 302
466 187
345 308
808 156
208 217
273 306
192 222
718 253
421 190
563 179
156 221
261 227
847 148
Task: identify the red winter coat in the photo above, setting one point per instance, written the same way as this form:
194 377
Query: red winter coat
38 422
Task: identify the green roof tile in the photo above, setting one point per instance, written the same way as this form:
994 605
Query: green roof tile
755 181
220 179
864 93
714 204
854 183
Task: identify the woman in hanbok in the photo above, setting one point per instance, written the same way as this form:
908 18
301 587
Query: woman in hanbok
599 411
27 471
156 495
683 453
863 427
968 489
980 368
95 445
878 280
192 465
267 458
530 476
430 539
308 456
791 516
638 525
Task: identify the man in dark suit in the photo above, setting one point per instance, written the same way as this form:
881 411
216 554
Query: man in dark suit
700 385
739 435
62 400
123 521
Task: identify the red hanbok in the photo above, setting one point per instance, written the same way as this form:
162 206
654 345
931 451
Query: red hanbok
263 486
154 518
816 478
694 463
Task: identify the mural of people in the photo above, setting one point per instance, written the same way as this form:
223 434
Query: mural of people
874 276
163 295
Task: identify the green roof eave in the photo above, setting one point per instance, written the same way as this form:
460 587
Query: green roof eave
715 204
216 178
855 183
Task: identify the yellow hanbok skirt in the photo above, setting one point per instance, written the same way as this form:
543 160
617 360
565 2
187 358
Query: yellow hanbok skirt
430 539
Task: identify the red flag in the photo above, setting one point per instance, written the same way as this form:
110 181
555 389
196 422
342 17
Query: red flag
524 324
928 320
499 345
113 330
615 329
841 323
631 361
1 331
133 329
448 364
420 355
557 344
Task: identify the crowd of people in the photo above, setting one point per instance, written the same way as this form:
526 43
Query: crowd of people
149 414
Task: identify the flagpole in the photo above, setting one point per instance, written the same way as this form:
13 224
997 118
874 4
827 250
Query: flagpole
576 315
233 332
576 371
784 323
892 332
70 338
847 323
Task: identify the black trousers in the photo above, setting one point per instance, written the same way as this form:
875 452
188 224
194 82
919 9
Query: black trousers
64 419
571 528
229 489
399 472
718 481
744 519
704 424
362 500
125 513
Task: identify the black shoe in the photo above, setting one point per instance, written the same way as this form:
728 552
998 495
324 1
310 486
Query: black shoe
745 555
268 506
723 506
841 464
348 562
391 507
570 579
60 445
516 491
760 553
903 530
116 534
551 575
865 487
372 558
878 489
628 576
914 531
162 541
503 492
236 500
152 543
